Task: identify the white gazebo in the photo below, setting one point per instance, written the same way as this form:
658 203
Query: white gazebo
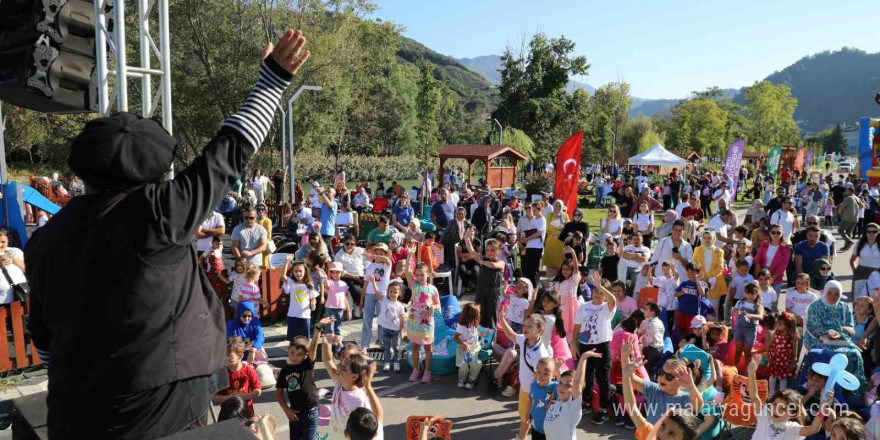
658 156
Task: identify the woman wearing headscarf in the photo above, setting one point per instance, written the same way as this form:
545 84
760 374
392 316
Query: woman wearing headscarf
830 325
246 325
711 259
553 248
668 219
821 274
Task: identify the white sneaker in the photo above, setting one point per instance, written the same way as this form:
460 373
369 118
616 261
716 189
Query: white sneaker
397 367
461 384
469 385
509 391
387 367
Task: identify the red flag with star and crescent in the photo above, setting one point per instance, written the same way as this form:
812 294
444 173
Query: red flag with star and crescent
568 171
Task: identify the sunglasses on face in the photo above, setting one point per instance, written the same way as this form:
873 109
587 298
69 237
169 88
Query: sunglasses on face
668 376
349 244
825 268
775 233
253 217
872 231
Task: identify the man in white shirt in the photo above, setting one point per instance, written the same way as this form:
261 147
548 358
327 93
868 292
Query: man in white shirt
722 193
685 203
784 218
214 225
635 255
721 224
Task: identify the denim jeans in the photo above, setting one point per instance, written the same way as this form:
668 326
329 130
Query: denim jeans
390 340
307 426
370 306
335 328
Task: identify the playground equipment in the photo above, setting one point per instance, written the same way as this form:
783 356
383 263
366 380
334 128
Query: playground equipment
15 195
869 149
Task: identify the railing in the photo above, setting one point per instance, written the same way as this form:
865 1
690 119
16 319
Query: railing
22 353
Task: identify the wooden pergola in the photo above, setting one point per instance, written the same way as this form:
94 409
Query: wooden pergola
497 176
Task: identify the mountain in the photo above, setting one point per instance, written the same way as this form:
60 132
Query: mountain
470 86
489 67
651 107
831 87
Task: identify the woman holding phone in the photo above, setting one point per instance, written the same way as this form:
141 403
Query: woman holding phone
12 261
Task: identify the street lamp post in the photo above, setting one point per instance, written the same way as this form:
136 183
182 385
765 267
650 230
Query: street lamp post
500 130
290 135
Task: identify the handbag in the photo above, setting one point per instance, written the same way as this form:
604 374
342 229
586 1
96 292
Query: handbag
271 247
20 290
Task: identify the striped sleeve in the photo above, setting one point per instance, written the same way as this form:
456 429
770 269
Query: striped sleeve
44 356
254 118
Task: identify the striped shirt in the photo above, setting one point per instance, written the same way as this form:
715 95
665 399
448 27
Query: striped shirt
255 116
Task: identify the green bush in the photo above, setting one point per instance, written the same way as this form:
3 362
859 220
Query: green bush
320 167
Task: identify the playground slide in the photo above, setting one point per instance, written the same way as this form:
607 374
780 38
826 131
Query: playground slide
37 200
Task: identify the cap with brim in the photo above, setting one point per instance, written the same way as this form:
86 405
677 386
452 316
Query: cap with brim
381 247
121 151
698 321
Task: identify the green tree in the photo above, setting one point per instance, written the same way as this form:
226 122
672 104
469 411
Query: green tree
428 102
699 125
770 113
518 140
835 142
609 107
533 93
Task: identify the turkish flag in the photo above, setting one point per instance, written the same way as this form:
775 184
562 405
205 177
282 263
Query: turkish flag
568 171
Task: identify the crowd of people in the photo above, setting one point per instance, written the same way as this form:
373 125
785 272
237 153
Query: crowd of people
672 310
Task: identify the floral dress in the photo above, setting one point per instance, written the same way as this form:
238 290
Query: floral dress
781 356
821 318
420 319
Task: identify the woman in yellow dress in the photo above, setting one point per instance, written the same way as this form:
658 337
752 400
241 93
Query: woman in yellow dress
553 248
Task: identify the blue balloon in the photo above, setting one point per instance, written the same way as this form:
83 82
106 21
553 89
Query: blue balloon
837 374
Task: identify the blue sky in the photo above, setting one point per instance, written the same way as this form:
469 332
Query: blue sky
663 48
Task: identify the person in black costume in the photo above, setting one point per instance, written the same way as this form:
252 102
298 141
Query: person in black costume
126 322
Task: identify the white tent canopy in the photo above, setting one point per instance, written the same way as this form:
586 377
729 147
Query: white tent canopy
659 157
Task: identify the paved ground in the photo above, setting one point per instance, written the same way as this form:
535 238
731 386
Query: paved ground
475 414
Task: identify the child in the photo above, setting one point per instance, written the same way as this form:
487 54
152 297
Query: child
236 278
250 290
797 301
593 327
748 312
213 258
865 328
337 305
567 289
297 378
651 333
674 423
353 389
610 262
828 207
594 258
625 334
316 263
781 418
848 428
391 319
243 379
532 349
420 321
642 279
518 302
554 335
782 358
737 286
563 415
467 336
626 305
743 251
379 270
541 395
688 293
298 285
768 293
666 287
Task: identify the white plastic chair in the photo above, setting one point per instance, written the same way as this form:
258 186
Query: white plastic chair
441 275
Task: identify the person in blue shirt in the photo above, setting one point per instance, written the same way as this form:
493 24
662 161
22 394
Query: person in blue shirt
329 208
689 293
246 325
402 213
807 252
442 212
542 394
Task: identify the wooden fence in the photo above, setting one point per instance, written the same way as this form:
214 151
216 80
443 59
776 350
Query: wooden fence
270 286
22 353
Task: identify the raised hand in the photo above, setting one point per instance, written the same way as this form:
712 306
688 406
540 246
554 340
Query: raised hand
591 354
753 364
287 51
684 376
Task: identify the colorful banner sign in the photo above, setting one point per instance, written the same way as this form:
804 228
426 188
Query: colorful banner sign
799 159
733 163
773 160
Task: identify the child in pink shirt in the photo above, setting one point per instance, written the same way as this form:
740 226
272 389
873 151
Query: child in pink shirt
336 305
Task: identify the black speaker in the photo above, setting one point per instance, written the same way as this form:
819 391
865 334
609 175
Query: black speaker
47 55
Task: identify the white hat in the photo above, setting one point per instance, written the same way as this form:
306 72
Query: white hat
698 322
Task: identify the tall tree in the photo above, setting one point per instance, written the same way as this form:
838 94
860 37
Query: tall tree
771 114
533 90
835 142
609 106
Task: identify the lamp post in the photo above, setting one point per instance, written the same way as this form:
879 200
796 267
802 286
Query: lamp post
500 130
290 135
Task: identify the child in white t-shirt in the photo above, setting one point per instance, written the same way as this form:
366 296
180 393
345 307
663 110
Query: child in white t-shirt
766 290
392 315
532 349
737 288
297 283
